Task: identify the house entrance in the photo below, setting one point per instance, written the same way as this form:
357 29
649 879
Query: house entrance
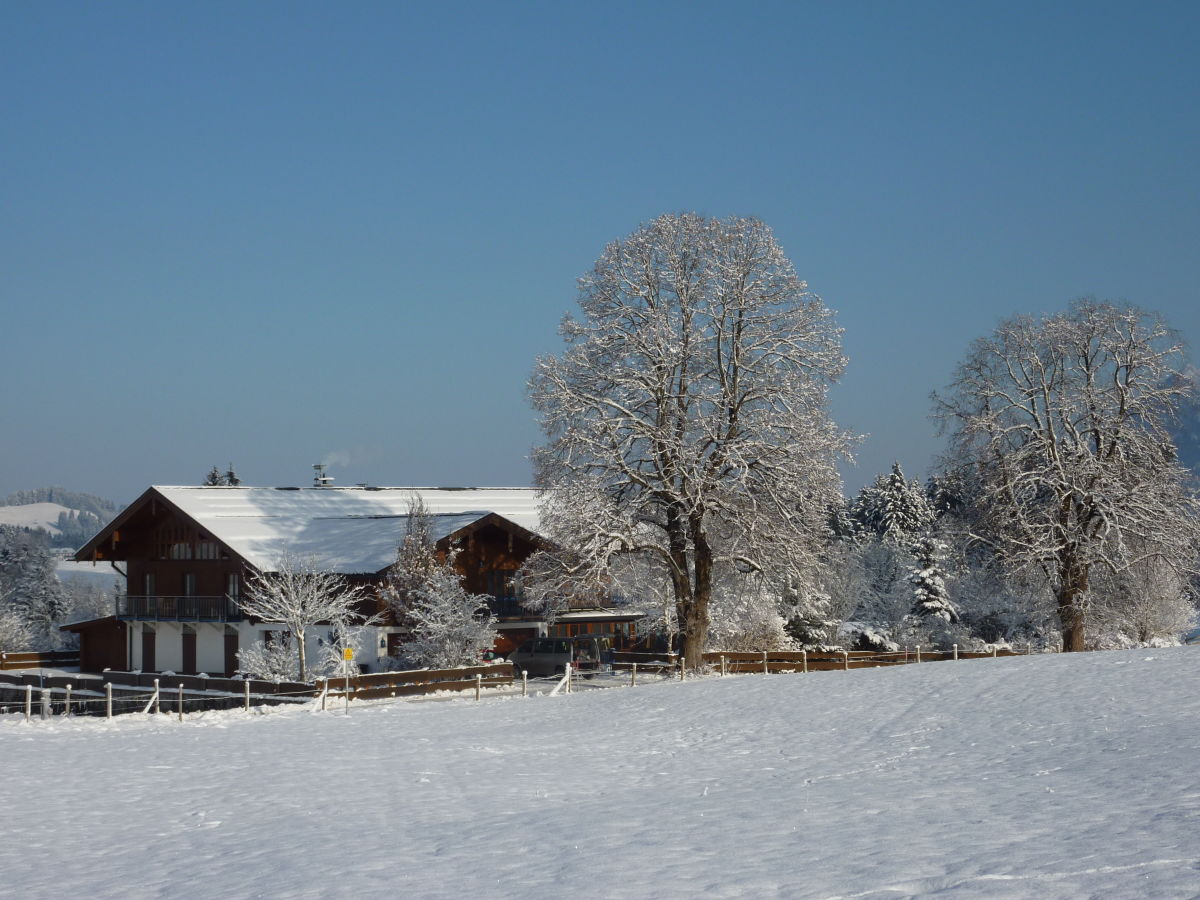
148 649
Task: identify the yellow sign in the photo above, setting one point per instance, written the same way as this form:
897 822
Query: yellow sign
348 653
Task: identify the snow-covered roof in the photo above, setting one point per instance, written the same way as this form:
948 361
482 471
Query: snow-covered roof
350 530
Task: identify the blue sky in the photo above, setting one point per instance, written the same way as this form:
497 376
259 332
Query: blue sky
278 233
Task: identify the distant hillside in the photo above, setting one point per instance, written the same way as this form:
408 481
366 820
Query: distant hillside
42 516
1187 437
70 518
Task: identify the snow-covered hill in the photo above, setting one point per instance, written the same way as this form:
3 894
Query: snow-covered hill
70 518
34 515
1051 776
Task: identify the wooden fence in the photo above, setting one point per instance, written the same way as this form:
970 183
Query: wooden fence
414 683
780 661
114 693
49 659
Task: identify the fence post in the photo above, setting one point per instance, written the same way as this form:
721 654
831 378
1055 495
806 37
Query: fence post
28 701
46 703
845 660
478 686
246 694
765 669
804 659
633 676
157 708
108 700
724 666
67 701
993 651
524 683
569 672
1028 647
918 652
956 652
181 701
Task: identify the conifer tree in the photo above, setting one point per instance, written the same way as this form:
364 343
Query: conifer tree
894 508
449 626
29 584
930 598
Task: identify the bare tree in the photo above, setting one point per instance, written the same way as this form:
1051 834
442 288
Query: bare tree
1147 603
299 595
686 418
1061 424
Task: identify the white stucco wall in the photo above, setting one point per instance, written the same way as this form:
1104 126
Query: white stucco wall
168 647
210 648
210 644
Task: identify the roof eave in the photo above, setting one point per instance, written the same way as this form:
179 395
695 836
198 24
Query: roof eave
87 553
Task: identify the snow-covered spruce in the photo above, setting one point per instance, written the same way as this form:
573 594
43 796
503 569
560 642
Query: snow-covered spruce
931 600
448 626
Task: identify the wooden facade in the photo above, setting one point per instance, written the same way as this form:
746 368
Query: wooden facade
183 583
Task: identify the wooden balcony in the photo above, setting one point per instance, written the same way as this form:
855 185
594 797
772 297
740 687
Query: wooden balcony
178 609
509 608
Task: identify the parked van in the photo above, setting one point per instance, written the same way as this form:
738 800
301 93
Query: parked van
550 656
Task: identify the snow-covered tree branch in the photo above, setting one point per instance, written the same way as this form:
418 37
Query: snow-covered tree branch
686 418
1061 428
299 595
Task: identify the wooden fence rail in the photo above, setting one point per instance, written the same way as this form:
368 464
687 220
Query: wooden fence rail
414 683
781 661
131 688
834 660
49 659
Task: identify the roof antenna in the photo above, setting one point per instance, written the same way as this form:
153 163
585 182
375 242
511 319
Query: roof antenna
320 479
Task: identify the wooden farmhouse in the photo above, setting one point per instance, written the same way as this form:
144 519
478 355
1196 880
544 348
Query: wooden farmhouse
185 553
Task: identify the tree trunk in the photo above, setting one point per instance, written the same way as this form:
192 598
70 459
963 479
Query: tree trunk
1073 587
681 583
299 638
695 633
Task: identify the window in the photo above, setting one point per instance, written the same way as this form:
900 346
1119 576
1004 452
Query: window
174 542
207 550
231 585
189 584
502 583
148 588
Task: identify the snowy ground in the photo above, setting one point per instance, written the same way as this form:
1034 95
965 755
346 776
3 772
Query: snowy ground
1053 776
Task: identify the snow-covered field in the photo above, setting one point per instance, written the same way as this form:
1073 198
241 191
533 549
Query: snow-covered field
1052 776
34 515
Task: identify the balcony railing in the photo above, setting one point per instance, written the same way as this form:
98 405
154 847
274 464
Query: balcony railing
509 608
178 609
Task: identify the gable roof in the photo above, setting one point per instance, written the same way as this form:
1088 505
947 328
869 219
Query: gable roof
349 530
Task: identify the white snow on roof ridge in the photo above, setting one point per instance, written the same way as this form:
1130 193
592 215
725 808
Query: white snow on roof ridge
350 530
